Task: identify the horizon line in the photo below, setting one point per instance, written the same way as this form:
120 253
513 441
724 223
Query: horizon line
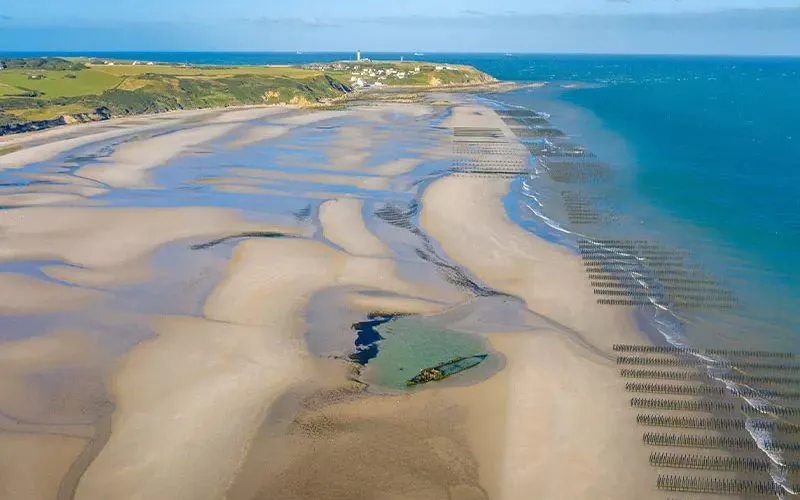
313 52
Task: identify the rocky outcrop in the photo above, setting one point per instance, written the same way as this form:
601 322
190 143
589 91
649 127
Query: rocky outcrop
32 126
338 86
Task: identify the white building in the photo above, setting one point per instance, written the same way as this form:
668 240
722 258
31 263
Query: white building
358 55
359 83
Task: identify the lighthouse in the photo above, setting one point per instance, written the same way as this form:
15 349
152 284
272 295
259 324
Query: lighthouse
358 55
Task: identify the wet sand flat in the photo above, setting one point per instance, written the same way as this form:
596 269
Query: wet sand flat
161 341
130 163
573 390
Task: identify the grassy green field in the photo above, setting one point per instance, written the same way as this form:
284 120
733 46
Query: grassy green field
45 89
129 70
53 84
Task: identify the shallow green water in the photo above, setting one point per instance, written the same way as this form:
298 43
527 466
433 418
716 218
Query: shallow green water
410 344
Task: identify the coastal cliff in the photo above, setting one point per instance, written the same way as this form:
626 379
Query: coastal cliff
40 93
99 114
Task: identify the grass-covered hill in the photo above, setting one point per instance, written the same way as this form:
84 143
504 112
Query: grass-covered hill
43 92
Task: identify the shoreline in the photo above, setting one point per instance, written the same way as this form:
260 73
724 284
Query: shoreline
19 139
459 212
10 140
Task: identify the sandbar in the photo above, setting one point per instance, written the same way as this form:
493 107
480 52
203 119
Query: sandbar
566 413
227 401
128 166
344 226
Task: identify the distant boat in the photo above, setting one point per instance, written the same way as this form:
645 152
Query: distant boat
299 53
418 54
444 370
508 54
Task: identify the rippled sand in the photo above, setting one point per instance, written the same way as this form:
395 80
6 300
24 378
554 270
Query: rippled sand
177 294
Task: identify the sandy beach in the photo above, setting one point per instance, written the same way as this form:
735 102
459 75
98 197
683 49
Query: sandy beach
179 295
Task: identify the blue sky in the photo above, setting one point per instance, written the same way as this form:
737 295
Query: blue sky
595 26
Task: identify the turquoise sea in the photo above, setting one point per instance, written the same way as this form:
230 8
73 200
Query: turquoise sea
703 154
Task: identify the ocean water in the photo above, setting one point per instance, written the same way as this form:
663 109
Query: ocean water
700 199
703 153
